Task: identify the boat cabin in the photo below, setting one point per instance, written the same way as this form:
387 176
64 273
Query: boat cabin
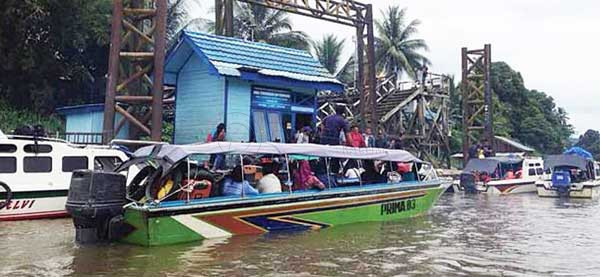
261 92
44 164
573 168
168 172
503 168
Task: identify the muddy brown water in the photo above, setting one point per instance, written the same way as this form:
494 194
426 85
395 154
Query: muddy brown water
518 235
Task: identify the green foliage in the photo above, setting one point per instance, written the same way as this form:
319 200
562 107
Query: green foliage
396 49
329 51
263 24
590 141
12 118
54 52
528 116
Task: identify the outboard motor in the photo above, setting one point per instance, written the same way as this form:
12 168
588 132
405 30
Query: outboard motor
561 180
467 181
96 202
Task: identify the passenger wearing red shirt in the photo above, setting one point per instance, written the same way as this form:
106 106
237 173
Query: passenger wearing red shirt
355 138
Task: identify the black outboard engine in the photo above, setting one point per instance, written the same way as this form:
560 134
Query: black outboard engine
467 181
96 202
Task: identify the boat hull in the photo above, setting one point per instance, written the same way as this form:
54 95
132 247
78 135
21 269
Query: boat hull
35 205
504 187
591 191
525 186
152 227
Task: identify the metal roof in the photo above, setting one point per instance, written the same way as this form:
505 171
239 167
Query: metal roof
515 144
86 108
251 60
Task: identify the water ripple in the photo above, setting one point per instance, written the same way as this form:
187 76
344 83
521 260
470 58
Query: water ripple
464 235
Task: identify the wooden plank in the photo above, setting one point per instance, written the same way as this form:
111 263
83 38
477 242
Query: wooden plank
134 29
133 120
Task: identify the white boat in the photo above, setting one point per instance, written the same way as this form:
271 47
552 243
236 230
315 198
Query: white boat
570 176
35 173
501 175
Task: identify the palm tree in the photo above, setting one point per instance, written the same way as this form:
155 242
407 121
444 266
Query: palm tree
396 51
328 51
258 23
179 18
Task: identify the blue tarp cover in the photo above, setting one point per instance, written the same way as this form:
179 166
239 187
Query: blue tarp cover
579 152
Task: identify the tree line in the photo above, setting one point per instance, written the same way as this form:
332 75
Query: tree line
54 53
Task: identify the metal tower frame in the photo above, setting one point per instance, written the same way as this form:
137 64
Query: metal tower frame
345 12
137 47
476 98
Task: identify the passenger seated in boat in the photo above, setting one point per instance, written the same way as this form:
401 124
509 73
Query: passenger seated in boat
320 170
304 178
485 177
509 175
405 169
234 183
371 174
269 183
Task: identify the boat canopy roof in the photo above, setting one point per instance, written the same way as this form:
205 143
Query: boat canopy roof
552 161
490 164
175 153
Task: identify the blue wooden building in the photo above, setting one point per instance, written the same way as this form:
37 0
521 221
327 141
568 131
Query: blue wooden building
260 91
83 123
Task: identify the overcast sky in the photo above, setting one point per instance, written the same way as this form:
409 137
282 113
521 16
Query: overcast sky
553 43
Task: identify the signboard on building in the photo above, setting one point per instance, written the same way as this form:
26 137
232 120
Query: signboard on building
271 100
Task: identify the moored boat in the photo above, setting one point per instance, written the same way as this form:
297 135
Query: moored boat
35 173
501 175
182 202
570 175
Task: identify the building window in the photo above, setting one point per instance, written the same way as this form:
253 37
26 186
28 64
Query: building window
275 127
37 164
8 164
8 148
260 126
107 163
70 164
37 148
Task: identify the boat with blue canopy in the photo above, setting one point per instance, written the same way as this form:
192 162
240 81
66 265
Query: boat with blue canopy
573 174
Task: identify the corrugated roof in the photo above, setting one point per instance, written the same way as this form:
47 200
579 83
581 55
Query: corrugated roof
86 108
234 57
515 144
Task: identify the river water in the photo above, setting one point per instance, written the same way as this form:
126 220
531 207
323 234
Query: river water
463 235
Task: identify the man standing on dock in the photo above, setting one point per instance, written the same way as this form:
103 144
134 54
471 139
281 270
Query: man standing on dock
332 126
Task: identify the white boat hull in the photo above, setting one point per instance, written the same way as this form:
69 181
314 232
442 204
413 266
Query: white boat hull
589 190
503 187
34 208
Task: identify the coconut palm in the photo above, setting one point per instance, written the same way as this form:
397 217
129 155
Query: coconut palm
328 51
179 17
258 23
397 51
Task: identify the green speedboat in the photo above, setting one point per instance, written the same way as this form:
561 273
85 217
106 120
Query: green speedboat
174 199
